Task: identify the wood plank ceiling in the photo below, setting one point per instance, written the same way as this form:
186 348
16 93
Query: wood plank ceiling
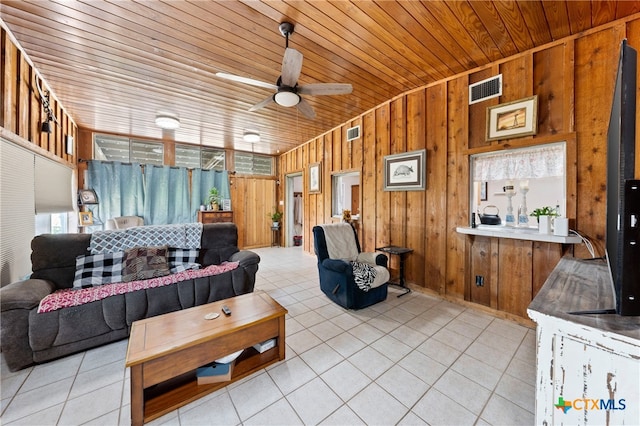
114 65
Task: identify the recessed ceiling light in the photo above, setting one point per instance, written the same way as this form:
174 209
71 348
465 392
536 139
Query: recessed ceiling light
168 122
251 136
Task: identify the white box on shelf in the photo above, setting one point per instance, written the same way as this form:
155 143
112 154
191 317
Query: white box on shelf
561 226
265 346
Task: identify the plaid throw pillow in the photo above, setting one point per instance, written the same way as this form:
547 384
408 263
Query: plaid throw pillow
141 263
98 269
182 259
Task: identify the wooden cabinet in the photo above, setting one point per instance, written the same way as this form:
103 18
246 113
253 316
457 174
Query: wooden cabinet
215 216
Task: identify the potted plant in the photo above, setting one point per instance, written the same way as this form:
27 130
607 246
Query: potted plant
544 211
214 198
543 216
275 217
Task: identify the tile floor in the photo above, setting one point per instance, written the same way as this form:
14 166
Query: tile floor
412 360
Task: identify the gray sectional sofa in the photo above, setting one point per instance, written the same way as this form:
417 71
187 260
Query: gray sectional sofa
29 337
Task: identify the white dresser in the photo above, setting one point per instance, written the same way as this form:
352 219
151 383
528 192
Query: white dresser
588 366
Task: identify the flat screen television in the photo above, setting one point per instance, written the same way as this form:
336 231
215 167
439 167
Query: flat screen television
623 191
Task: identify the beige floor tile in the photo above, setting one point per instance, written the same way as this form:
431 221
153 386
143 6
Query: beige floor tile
459 388
501 411
277 414
346 344
402 385
217 411
346 380
292 374
477 371
321 358
371 362
377 407
254 395
92 405
314 401
341 417
436 409
35 400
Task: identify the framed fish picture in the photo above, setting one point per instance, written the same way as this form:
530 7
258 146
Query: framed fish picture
405 171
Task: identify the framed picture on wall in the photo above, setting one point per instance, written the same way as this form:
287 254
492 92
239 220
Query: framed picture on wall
86 218
87 196
483 191
513 119
315 178
405 172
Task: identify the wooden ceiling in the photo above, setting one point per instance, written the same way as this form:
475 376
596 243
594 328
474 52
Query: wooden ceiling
115 65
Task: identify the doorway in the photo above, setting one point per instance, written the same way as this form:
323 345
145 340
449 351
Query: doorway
294 217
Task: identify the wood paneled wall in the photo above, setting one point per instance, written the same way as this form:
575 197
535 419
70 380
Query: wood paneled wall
574 79
21 113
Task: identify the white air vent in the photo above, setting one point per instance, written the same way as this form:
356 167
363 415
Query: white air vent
485 89
353 133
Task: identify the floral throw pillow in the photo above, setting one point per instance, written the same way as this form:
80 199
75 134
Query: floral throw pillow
142 263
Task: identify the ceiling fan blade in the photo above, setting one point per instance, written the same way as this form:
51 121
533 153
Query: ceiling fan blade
246 80
291 67
325 89
306 109
262 104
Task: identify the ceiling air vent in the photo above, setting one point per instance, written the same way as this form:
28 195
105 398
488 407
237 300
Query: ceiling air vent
485 89
353 133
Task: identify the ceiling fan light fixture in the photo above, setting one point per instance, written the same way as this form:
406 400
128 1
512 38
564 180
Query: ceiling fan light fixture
167 122
286 98
251 136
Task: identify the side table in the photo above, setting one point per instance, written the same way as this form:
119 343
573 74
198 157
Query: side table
275 236
401 252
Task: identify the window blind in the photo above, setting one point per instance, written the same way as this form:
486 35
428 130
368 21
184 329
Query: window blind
53 187
17 218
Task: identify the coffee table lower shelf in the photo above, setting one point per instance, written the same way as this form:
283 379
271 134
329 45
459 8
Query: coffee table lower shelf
179 391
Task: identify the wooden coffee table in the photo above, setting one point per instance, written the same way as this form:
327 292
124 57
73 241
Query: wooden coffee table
164 351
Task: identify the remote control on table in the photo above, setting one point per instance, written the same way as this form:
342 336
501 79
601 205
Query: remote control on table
226 310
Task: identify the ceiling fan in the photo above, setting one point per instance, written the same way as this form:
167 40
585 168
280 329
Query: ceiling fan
287 90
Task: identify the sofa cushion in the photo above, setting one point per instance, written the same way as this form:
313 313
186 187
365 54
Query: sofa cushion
98 269
141 263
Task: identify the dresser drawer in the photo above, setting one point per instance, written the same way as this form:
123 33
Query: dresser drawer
215 217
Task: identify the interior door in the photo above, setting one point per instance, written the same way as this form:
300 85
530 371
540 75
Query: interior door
252 200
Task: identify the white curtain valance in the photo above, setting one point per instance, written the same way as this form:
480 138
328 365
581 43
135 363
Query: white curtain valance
526 163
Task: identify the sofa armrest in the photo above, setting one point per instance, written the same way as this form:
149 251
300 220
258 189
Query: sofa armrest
25 294
244 277
373 258
336 265
245 258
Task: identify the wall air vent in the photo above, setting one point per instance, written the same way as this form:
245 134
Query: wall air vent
485 89
353 133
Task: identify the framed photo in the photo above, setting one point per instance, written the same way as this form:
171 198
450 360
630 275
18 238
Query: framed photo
483 191
405 172
86 218
315 178
513 119
87 196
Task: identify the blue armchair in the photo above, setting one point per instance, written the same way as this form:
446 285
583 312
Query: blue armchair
350 278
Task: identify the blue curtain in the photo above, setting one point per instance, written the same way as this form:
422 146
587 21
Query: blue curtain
166 195
119 187
160 195
202 181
